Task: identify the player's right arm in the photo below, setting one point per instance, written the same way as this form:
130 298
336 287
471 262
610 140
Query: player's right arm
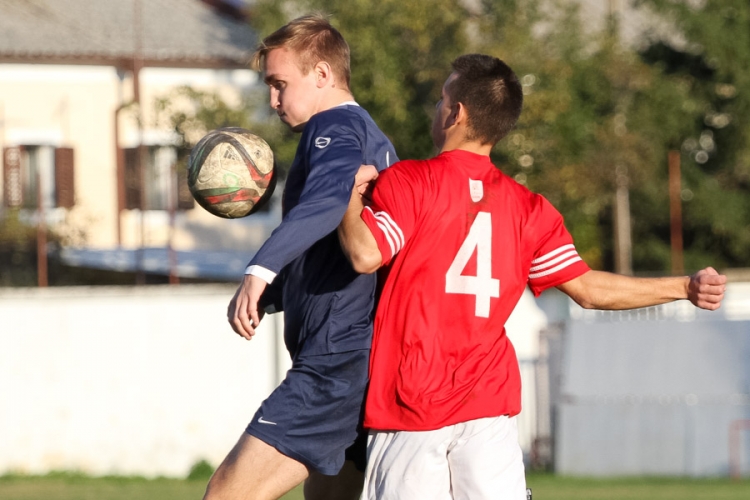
609 291
243 312
333 155
329 155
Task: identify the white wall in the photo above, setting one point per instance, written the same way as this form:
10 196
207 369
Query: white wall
523 327
127 380
147 380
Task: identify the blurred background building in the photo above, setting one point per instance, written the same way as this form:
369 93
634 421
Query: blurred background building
87 141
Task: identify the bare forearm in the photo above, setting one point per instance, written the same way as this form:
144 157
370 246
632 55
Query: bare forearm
357 241
600 290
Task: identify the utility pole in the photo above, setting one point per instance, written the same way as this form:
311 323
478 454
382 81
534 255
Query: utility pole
623 241
174 278
621 221
41 235
140 277
675 212
614 7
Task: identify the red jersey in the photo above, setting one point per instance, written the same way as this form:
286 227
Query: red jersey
461 241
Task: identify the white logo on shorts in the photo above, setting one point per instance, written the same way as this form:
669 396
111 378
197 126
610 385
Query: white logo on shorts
321 142
263 421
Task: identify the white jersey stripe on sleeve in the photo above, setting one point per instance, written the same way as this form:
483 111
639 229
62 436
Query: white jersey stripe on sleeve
397 233
553 253
391 231
388 237
553 270
554 261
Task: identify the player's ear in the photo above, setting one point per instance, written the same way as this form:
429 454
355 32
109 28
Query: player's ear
456 116
323 74
459 113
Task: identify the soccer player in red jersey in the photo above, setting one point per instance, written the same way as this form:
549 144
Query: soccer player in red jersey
459 242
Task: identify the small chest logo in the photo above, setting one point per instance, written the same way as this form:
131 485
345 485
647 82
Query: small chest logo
321 142
476 190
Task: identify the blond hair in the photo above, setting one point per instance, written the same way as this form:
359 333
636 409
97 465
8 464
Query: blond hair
312 39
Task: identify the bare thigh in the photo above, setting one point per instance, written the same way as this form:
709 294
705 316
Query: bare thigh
254 470
346 485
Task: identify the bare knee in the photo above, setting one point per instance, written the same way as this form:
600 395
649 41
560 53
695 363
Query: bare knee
220 488
253 470
213 491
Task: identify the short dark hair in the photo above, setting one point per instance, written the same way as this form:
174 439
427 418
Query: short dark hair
313 39
491 93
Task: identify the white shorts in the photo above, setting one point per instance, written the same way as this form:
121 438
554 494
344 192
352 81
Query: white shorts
476 460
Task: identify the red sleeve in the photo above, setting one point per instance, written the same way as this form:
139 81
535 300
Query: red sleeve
555 259
396 201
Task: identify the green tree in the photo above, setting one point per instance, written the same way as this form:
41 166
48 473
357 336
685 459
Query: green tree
592 110
708 55
400 53
596 112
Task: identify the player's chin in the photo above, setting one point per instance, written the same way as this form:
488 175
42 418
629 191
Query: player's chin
286 120
298 127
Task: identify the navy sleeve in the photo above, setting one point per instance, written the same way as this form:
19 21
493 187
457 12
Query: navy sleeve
333 155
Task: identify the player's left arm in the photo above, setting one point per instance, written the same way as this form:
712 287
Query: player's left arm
603 290
372 235
357 241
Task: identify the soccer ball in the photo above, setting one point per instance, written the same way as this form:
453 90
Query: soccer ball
231 172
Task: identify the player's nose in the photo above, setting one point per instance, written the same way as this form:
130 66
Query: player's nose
274 98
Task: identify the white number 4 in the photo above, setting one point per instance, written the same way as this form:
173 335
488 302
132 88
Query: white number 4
483 286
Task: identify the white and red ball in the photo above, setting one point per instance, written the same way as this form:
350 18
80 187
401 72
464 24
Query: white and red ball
231 172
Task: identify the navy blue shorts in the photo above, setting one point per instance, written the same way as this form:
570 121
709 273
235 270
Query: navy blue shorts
315 414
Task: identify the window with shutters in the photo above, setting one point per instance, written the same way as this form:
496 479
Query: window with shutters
162 183
31 171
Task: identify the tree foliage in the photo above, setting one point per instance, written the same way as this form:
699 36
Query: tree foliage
711 60
596 113
400 54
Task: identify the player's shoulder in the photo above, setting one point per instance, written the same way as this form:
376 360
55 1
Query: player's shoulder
338 118
519 190
412 175
408 169
536 206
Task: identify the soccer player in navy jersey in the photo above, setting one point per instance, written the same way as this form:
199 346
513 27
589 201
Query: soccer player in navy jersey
306 429
460 241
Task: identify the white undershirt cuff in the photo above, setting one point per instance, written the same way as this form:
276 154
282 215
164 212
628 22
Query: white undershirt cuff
261 272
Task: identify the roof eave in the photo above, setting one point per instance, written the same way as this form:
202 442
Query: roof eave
125 62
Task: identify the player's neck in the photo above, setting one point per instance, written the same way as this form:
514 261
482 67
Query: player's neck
333 98
453 142
457 136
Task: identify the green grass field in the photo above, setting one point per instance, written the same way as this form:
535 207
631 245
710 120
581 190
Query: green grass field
64 486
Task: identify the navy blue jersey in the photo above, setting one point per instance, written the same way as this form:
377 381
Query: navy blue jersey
327 306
